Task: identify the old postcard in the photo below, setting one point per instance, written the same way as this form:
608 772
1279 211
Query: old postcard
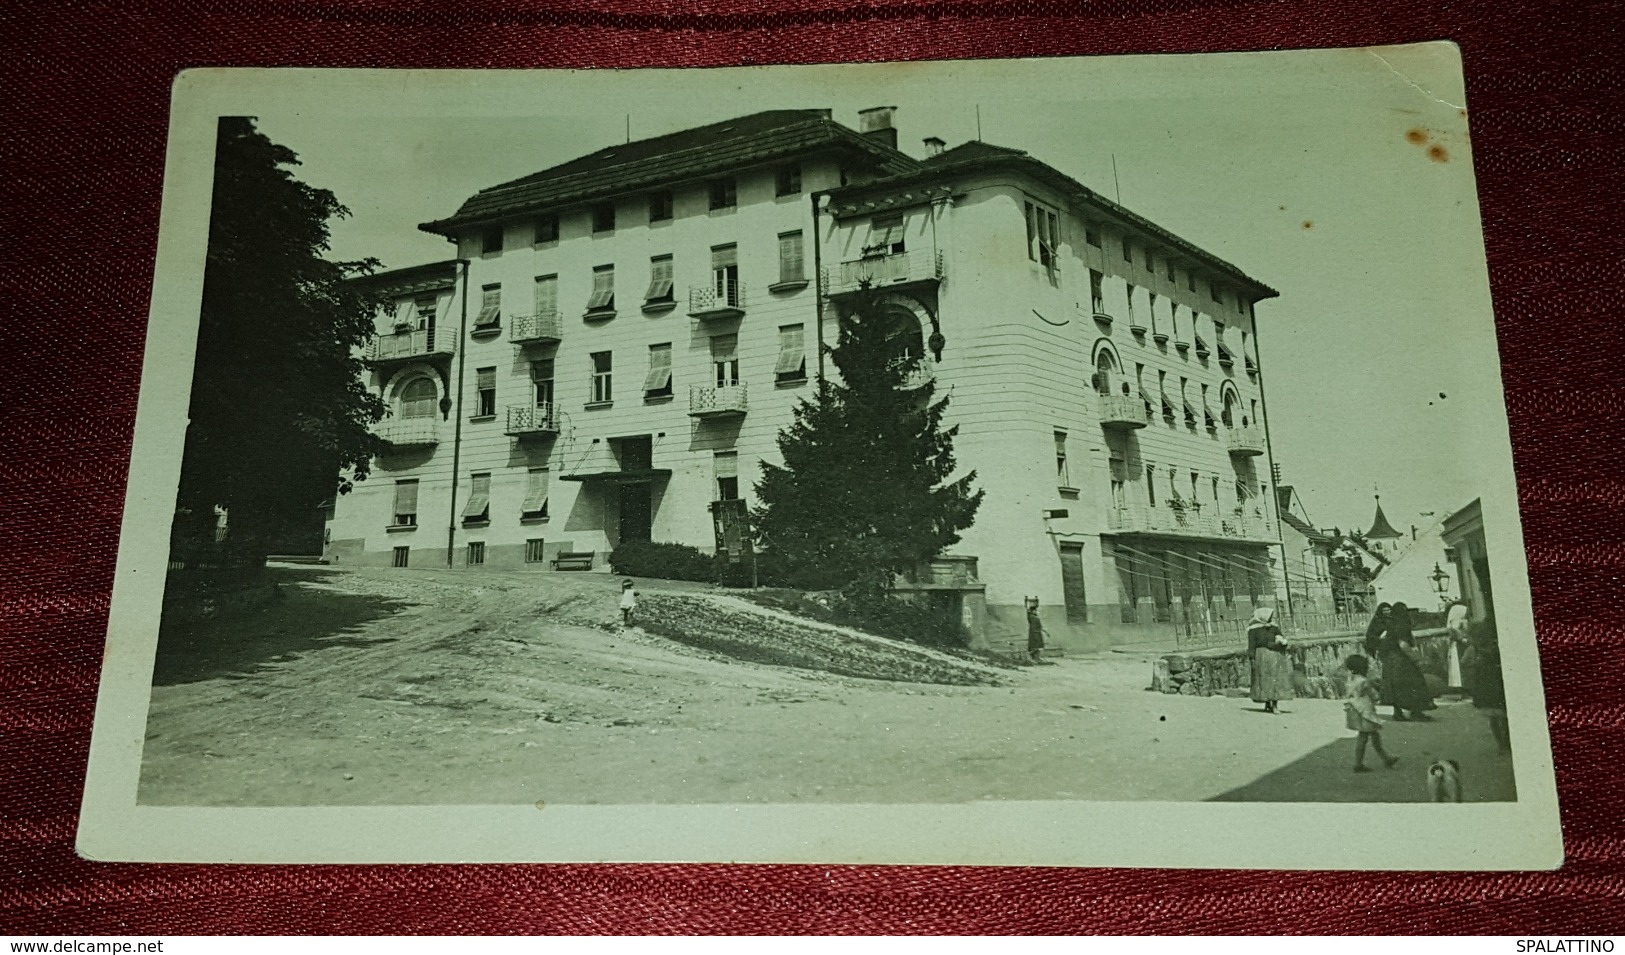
1064 462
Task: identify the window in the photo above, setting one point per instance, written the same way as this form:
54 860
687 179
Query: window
725 359
425 313
658 382
792 363
724 194
418 398
602 377
547 229
1128 249
1105 372
491 240
725 274
603 217
1170 273
406 504
1190 280
1043 235
476 554
885 236
1097 291
478 508
660 206
788 181
1130 299
1173 311
1214 293
400 557
1063 477
726 467
1241 305
534 507
485 392
1091 235
1194 479
1151 484
535 552
1119 479
546 296
1150 262
490 308
603 290
659 281
792 267
541 380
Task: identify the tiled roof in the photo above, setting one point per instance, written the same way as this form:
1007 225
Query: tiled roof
1297 524
681 156
412 278
978 156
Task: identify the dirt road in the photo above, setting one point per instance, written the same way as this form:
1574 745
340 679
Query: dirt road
441 687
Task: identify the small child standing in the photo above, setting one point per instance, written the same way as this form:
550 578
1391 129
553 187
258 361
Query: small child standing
1360 712
629 602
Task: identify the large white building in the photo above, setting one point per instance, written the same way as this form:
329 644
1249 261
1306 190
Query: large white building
621 338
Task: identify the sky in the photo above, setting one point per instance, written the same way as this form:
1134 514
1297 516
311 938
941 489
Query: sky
1341 178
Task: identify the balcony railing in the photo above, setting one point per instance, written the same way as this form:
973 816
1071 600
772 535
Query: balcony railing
1121 411
409 432
532 419
403 346
708 302
1245 442
708 401
540 329
920 265
921 372
1250 524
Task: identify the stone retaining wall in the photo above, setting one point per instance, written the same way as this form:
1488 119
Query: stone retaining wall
1318 660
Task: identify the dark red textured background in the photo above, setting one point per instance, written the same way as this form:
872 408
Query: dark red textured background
85 89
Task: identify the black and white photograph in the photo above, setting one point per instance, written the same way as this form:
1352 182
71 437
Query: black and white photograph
1083 461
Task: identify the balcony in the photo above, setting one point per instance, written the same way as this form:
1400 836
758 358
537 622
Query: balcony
409 432
707 303
532 420
719 401
1245 442
883 271
1121 411
543 328
411 345
1161 520
921 372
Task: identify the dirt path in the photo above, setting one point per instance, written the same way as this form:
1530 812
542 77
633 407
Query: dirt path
414 687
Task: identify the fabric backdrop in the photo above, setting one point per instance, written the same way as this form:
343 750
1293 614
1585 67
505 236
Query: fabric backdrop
85 87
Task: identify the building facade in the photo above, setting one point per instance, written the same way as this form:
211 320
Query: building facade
634 328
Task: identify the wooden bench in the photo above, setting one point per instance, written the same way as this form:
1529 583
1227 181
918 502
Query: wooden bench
574 560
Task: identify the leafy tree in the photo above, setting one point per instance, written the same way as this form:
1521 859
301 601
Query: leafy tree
278 407
1351 578
866 491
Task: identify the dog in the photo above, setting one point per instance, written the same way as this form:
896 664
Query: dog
1444 781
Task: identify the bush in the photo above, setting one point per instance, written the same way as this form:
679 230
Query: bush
663 561
885 616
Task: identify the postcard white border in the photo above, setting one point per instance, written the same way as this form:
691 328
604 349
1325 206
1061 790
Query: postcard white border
1506 836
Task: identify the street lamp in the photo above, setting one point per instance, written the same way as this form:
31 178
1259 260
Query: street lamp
1441 581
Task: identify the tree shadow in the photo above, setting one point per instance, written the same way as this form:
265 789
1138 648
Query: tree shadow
298 620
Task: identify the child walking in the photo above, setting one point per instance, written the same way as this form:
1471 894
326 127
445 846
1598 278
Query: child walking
1360 711
629 602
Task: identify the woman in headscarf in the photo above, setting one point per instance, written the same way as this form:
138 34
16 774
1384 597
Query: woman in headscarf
1373 630
1403 686
1272 664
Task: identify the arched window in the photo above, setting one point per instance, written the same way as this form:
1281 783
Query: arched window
1105 371
418 398
904 340
1232 407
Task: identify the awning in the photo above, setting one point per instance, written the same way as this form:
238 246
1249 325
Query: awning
638 476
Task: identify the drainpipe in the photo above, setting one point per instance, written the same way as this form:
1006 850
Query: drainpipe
1269 450
457 410
818 283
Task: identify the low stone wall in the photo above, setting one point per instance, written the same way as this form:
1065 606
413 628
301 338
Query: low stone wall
1318 660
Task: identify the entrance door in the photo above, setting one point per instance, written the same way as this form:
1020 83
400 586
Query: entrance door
637 513
1077 607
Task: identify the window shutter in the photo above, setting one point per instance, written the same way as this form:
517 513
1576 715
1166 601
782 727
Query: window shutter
490 307
724 256
791 264
724 347
406 497
487 379
659 368
726 464
792 350
603 288
479 498
547 295
659 279
541 369
536 492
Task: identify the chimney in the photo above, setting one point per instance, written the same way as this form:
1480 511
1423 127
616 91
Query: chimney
933 146
876 122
